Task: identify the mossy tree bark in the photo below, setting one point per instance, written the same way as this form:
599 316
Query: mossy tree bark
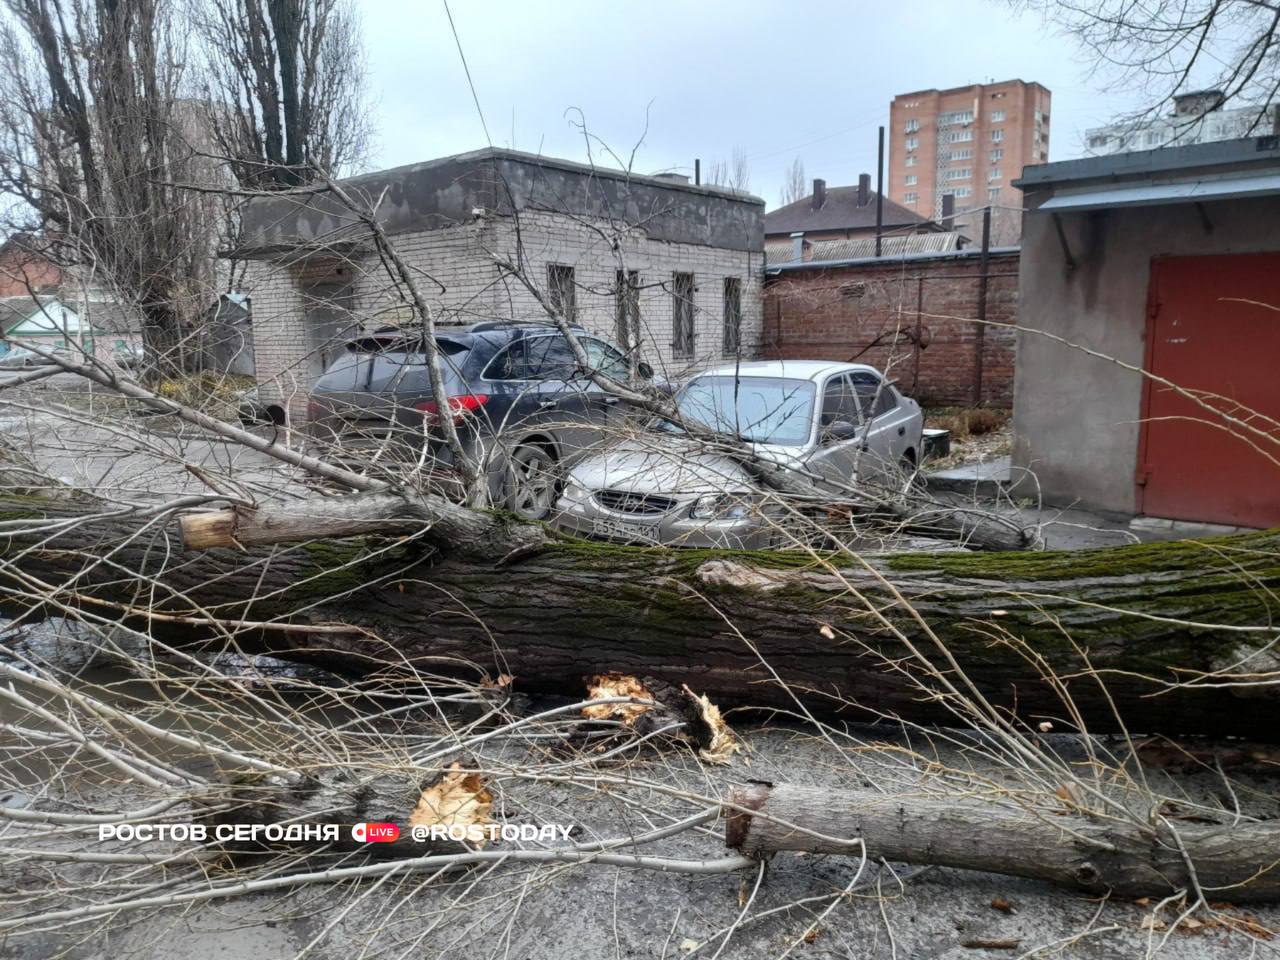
1124 634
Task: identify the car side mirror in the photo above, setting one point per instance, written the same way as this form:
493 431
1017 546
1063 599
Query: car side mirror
645 370
839 431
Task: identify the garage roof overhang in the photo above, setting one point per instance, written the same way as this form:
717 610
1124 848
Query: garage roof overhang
1196 173
1152 194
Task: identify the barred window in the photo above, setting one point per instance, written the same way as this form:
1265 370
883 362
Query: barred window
682 314
561 290
732 315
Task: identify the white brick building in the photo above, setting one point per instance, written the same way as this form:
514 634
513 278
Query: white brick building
1197 117
597 242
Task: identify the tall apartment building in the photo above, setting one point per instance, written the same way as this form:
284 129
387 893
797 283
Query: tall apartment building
969 142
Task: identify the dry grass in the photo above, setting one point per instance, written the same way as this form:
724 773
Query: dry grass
966 422
197 389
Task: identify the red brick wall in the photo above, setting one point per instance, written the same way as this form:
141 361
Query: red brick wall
871 314
22 271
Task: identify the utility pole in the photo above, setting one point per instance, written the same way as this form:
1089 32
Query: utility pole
980 339
880 191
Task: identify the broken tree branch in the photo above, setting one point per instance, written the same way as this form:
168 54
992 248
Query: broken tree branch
1240 862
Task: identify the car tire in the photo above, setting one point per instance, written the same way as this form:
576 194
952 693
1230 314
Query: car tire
532 482
913 479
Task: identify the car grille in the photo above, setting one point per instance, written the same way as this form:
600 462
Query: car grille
634 503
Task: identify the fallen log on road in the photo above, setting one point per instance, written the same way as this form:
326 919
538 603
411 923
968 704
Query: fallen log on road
1177 633
1069 846
1238 863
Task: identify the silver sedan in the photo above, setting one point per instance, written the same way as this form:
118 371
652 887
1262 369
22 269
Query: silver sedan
842 423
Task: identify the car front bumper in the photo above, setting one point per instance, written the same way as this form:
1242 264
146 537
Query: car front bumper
582 514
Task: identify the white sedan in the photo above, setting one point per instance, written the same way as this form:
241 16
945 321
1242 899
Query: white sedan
842 422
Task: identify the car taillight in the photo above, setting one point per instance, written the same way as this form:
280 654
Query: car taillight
460 407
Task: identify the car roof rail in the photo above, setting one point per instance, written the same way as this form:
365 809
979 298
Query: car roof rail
485 326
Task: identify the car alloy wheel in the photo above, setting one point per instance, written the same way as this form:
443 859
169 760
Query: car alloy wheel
531 482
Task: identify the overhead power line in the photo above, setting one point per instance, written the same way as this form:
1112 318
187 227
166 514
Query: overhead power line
467 70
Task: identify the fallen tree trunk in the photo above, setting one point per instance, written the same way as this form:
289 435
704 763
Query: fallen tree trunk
392 513
1018 633
1238 863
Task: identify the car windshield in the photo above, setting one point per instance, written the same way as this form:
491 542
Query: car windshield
759 409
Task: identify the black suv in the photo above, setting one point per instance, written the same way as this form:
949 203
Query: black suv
522 403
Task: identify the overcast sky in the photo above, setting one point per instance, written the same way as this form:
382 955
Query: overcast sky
807 78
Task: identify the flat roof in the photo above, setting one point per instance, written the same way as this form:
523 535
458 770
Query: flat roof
1166 162
556 163
1151 194
970 86
495 182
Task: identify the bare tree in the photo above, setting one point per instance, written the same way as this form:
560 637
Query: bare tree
95 138
285 82
794 188
912 640
734 173
446 620
1174 46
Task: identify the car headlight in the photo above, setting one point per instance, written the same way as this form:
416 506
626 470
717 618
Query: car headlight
574 491
719 506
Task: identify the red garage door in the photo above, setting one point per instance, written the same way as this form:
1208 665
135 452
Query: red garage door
1213 328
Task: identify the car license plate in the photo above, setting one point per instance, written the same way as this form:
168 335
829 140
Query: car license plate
624 530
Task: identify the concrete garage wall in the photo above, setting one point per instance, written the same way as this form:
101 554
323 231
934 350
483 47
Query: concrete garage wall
1076 416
